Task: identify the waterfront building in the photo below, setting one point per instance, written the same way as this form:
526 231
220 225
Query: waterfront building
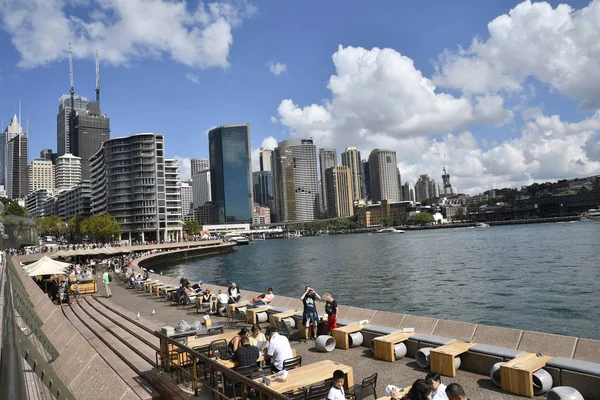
231 173
408 193
17 184
327 159
448 189
63 121
385 213
227 228
203 214
426 188
13 129
34 202
73 202
340 202
261 215
201 187
263 190
41 175
67 171
351 159
132 181
384 178
187 198
295 180
198 165
366 180
400 196
90 129
265 160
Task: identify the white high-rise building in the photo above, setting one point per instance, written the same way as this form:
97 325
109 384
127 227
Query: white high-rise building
351 159
41 175
67 171
16 167
265 160
426 188
201 188
408 193
384 176
327 159
295 180
199 165
13 129
187 198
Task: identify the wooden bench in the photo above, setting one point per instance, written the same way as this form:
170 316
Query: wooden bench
310 374
341 335
384 345
516 375
280 316
231 307
443 359
252 312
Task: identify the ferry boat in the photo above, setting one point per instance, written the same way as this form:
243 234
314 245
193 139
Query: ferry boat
239 240
592 214
388 230
482 225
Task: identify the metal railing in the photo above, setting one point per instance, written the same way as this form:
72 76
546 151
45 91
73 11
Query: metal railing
184 364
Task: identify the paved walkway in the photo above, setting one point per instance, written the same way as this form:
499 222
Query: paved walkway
401 373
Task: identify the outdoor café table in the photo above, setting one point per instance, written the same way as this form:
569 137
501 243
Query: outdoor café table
197 332
443 358
308 375
234 364
516 374
206 340
231 307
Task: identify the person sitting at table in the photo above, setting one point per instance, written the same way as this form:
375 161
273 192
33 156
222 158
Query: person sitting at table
196 286
256 335
234 294
234 344
455 392
246 354
337 386
438 389
420 390
279 349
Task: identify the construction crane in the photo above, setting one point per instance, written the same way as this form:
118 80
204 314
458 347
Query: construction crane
97 78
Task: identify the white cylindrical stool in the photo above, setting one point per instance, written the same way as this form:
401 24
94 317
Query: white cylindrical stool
261 317
325 343
355 339
457 362
542 381
564 393
399 350
495 374
422 357
290 322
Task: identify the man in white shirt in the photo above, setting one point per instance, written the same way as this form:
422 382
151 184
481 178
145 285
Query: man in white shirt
279 349
438 389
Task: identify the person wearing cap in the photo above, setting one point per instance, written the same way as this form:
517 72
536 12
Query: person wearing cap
234 344
279 349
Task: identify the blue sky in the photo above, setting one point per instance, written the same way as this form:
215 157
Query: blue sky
492 126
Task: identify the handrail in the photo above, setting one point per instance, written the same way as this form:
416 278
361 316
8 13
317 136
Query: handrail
12 378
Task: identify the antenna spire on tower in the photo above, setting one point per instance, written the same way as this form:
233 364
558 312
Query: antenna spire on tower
97 78
71 71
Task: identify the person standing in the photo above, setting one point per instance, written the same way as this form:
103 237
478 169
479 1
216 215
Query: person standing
310 316
331 309
107 279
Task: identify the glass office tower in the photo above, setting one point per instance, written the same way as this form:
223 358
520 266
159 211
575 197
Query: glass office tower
231 174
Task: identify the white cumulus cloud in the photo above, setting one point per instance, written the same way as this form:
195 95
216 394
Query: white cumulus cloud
276 68
557 46
192 78
185 167
123 30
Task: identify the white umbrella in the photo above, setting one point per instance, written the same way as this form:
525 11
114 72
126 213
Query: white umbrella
46 266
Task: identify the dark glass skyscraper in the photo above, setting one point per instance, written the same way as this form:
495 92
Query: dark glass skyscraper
90 130
231 174
263 190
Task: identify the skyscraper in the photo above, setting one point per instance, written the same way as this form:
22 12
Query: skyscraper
384 177
340 203
201 187
295 180
12 130
186 198
351 159
17 184
408 193
265 159
63 122
366 175
327 159
263 189
199 165
41 175
400 196
90 130
47 154
67 171
231 173
426 188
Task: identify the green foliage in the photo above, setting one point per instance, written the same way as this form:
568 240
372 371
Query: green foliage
49 225
11 207
326 225
75 226
191 228
102 227
422 218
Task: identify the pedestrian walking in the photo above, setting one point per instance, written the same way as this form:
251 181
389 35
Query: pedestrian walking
107 280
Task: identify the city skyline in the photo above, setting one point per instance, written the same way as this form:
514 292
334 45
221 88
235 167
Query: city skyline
523 119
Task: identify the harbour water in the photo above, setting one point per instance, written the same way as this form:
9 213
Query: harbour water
541 277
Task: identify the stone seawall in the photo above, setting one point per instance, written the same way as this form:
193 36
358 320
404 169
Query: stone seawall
174 256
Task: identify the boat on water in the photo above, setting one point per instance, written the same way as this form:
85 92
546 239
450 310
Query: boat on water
239 240
481 225
388 230
592 214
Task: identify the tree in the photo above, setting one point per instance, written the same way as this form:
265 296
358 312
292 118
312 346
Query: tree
11 207
104 227
49 225
75 226
422 218
191 228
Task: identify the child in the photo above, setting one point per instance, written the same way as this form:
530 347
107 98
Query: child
337 388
